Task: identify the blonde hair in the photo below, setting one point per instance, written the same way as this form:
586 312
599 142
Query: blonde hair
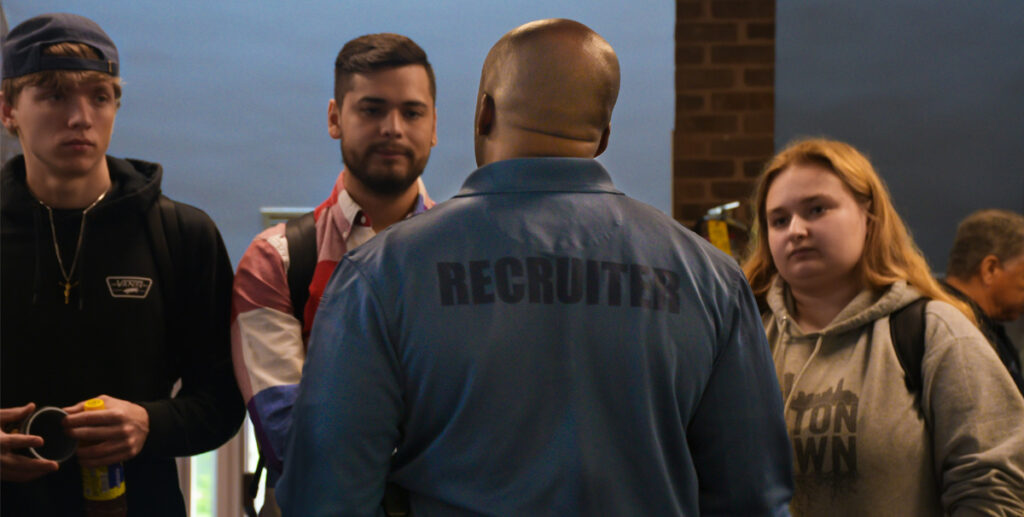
889 252
59 79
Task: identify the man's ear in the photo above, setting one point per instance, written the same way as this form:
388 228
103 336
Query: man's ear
7 114
603 144
988 268
334 119
433 139
484 115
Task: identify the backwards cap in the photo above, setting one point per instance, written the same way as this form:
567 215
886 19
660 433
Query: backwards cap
23 46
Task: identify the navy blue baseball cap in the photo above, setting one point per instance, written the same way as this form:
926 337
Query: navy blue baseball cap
23 46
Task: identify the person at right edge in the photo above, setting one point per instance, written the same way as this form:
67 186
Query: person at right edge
833 261
986 271
540 344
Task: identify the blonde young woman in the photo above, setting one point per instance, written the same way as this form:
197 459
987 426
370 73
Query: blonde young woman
832 260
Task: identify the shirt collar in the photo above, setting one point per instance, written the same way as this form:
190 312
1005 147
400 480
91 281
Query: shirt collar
539 175
419 207
983 318
351 212
354 215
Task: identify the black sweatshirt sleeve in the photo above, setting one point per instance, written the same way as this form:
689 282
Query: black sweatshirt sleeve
208 409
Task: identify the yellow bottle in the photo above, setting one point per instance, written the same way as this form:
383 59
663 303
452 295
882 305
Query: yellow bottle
103 487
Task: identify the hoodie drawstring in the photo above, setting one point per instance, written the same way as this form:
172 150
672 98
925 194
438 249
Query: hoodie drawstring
807 363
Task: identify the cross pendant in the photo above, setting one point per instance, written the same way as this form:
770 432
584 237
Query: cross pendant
67 290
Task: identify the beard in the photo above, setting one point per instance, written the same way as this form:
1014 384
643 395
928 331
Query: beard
384 180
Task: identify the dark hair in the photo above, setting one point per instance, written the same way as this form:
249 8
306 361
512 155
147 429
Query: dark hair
984 233
374 52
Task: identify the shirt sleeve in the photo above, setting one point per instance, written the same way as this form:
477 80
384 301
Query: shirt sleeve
207 410
976 416
266 343
346 416
738 435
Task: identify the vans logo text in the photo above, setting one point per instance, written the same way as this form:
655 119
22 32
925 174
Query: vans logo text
129 286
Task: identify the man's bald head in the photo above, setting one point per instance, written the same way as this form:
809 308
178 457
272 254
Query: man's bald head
551 86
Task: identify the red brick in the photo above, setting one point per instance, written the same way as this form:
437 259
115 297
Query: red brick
690 190
704 78
690 213
743 8
733 190
761 31
759 77
731 101
743 54
695 32
761 122
689 102
724 113
688 145
707 123
742 146
689 54
742 213
689 10
704 168
753 168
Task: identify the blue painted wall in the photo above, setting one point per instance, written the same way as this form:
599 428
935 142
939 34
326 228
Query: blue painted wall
932 92
231 97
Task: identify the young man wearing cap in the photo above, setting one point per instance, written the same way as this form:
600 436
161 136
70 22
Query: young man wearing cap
383 114
109 290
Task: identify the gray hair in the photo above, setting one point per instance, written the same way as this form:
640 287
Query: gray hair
984 233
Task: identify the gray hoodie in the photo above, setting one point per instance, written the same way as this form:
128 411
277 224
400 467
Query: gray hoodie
861 447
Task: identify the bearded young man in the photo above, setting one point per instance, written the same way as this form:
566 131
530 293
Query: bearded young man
383 114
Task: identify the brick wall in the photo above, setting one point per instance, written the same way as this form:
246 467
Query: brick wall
725 94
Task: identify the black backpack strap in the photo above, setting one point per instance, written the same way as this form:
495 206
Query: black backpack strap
300 232
251 486
165 236
906 326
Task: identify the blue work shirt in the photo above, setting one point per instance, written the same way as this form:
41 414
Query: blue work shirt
540 344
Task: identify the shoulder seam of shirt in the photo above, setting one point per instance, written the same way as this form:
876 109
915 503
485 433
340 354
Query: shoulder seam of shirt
371 287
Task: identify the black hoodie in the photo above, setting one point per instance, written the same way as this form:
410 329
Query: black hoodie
114 335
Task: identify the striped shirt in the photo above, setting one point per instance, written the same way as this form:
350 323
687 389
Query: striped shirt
268 344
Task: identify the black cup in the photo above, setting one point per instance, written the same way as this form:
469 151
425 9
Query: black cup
46 422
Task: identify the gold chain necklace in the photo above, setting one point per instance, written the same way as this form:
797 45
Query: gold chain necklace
67 284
